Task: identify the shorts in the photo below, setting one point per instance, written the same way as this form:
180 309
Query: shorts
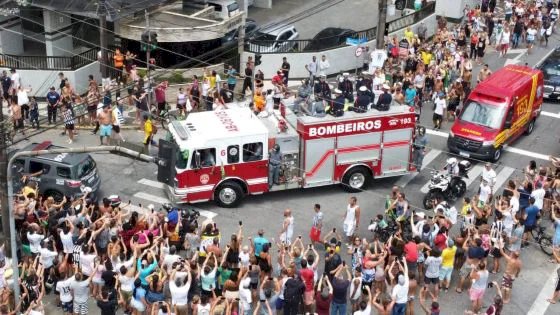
529 228
67 307
105 130
427 280
504 46
308 297
181 106
437 117
496 253
349 228
117 128
530 41
465 271
476 294
81 308
507 281
126 295
445 273
69 127
138 305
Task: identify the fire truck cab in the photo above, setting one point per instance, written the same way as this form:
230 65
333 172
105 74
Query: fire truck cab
224 155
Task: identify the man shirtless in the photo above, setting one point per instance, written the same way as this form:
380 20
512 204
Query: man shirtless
385 307
412 286
105 118
513 267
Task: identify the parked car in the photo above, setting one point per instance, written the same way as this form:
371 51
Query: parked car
276 40
329 38
551 72
59 175
250 27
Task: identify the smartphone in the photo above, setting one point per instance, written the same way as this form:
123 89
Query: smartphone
240 223
310 246
343 263
299 237
198 249
334 230
355 250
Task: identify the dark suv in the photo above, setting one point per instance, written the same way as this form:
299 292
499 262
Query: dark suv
58 175
551 72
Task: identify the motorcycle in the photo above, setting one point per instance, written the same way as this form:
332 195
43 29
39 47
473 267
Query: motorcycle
445 186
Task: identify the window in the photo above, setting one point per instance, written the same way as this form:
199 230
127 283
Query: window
233 154
285 36
182 159
35 167
19 166
207 158
252 152
85 167
63 172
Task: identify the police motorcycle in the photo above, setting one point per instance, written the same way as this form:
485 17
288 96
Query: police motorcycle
447 185
179 221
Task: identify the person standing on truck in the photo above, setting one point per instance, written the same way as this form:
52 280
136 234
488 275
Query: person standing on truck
274 161
419 147
440 105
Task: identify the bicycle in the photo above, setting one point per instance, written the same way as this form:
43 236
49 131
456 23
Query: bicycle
543 239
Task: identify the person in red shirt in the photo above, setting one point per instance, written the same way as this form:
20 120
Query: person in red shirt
441 239
411 255
307 275
323 298
160 96
277 79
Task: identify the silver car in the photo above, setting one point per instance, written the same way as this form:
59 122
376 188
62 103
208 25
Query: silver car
282 39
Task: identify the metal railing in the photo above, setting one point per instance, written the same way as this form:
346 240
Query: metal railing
310 45
49 62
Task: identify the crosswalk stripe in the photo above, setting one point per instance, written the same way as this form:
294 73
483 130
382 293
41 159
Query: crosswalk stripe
428 158
503 176
540 305
150 197
151 183
473 174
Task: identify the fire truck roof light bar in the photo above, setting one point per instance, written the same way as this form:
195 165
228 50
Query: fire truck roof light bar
181 132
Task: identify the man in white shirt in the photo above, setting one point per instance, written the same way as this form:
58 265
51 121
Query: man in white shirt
35 241
80 288
47 255
484 192
489 175
180 290
171 258
63 287
440 106
400 291
538 194
16 80
245 295
378 58
312 68
323 65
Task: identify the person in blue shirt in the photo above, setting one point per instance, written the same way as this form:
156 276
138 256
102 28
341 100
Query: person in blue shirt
409 95
53 99
531 214
259 242
556 238
144 269
231 78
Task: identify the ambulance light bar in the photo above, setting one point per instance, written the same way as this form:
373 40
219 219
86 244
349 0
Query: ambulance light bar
181 132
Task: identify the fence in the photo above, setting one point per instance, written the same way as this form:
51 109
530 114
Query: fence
327 43
49 62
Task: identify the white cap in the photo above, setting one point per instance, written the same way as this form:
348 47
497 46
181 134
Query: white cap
386 86
151 206
363 88
421 215
365 73
337 91
346 74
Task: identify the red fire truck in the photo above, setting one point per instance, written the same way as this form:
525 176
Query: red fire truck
223 155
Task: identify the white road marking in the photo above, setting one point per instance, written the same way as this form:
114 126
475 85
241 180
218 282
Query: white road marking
474 174
545 56
503 176
540 305
549 114
507 148
151 183
150 197
520 53
428 158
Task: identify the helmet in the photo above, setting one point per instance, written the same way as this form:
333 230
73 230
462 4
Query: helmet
451 161
421 130
276 147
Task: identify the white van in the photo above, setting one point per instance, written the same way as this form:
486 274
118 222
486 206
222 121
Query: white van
224 9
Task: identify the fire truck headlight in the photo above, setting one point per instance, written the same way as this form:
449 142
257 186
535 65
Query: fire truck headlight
487 143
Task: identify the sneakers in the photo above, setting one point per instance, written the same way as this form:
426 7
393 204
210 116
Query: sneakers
70 141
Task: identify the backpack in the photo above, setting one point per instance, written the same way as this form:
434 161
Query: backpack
293 290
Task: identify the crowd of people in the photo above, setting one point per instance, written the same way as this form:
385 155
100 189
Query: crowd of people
167 262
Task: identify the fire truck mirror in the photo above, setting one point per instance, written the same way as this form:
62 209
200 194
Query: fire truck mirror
197 163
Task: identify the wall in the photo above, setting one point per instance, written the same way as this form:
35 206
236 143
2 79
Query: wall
341 59
11 40
42 80
454 9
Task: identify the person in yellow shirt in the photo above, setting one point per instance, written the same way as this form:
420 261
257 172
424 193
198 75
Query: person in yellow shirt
426 58
258 101
148 132
448 258
409 35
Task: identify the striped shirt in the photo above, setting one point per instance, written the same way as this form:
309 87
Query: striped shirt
76 251
317 219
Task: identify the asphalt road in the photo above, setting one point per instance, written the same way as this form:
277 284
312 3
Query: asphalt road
136 181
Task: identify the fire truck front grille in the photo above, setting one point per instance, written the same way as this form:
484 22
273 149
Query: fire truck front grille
468 144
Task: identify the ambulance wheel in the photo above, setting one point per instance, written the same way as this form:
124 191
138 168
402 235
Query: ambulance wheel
228 195
530 128
497 154
356 180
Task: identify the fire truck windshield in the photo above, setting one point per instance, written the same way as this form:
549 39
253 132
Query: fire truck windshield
490 116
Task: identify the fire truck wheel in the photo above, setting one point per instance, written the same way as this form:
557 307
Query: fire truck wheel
356 180
228 195
497 154
530 128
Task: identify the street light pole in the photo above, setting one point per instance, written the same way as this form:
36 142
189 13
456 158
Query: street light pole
148 48
103 38
380 38
10 179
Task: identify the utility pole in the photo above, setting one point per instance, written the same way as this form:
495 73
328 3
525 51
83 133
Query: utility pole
380 39
102 12
241 31
149 95
4 180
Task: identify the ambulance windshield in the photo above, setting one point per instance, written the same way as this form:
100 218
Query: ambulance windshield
486 115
